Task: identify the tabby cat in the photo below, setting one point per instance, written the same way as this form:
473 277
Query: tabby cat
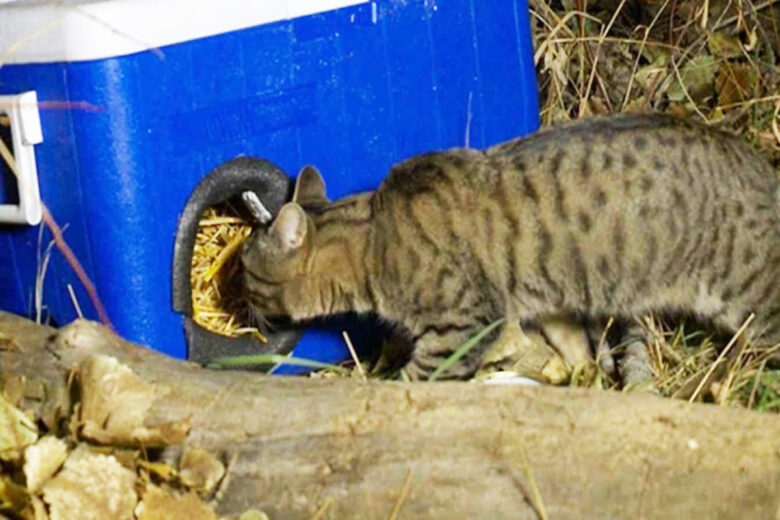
611 216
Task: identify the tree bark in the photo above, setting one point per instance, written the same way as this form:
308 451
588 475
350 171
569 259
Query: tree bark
460 450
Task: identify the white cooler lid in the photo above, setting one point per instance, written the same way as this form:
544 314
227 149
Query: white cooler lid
43 31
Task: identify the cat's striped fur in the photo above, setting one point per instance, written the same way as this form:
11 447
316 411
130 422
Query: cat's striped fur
615 216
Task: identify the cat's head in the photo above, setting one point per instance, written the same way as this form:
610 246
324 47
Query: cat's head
276 255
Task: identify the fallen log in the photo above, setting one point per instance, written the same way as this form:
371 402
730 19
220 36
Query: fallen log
355 449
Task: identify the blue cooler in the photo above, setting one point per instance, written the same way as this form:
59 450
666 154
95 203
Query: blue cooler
138 99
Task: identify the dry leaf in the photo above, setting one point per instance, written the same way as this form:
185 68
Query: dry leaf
199 470
556 61
91 487
17 431
736 82
39 509
158 504
115 402
597 107
526 353
697 77
722 45
42 460
679 109
636 105
651 75
13 497
768 139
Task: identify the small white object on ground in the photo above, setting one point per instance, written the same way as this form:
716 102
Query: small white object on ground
509 378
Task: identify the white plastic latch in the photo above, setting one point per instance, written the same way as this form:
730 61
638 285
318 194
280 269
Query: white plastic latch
22 111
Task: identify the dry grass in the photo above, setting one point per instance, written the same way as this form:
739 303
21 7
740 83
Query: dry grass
717 64
688 365
217 301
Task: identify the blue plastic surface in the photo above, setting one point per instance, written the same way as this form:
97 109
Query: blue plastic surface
351 91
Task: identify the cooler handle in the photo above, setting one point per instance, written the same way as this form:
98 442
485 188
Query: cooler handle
22 111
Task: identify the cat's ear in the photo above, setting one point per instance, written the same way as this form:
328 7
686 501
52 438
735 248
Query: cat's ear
310 188
289 228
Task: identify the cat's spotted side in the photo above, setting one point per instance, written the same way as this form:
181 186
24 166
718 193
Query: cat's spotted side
615 216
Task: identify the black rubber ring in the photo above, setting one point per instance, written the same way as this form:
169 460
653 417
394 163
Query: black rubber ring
229 180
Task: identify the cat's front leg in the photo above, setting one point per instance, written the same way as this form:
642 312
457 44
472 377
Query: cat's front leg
435 344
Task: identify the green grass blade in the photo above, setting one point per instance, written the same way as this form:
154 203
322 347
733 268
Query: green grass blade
273 359
463 350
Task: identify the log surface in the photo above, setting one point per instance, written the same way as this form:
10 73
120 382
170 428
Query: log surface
468 450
